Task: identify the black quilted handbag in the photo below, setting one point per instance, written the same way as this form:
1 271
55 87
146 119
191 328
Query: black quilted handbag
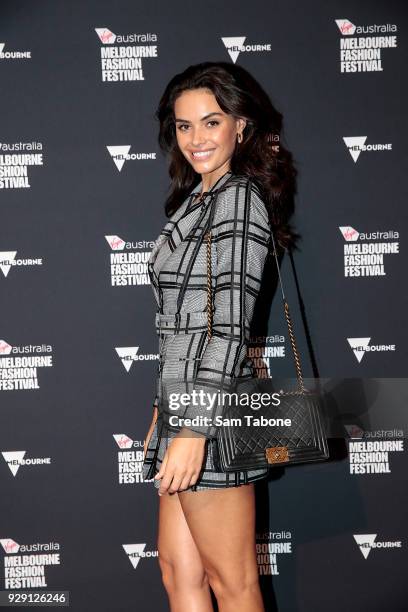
243 447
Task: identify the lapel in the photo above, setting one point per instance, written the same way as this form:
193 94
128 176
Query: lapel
172 233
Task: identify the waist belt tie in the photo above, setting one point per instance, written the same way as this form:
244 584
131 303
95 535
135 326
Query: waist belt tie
181 323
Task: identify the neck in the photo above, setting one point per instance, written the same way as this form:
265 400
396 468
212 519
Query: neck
209 180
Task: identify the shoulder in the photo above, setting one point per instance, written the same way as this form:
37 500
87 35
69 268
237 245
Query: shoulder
241 197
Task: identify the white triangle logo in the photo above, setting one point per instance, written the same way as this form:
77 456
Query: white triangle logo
134 551
127 355
359 346
119 155
365 543
14 459
354 145
233 45
5 258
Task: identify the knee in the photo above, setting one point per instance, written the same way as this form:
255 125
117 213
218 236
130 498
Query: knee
179 575
232 584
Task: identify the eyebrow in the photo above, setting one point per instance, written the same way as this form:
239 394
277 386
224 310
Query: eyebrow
202 119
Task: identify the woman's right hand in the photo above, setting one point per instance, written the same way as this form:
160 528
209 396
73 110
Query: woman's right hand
150 431
182 462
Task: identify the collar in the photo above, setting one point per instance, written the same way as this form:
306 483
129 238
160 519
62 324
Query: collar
217 185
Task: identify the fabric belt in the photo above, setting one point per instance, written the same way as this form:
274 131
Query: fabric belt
180 323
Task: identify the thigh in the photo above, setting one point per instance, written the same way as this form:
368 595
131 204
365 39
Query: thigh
222 524
177 550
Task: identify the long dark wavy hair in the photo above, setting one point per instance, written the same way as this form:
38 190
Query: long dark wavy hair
261 154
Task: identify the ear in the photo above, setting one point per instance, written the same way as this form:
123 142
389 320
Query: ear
241 123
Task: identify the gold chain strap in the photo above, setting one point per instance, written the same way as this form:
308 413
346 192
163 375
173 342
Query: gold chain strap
296 357
209 287
294 348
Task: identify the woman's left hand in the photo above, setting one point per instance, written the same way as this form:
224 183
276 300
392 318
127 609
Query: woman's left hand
182 462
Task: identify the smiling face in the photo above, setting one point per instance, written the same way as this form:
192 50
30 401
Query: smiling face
206 135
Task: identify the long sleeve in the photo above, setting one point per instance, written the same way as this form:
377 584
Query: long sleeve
157 396
240 235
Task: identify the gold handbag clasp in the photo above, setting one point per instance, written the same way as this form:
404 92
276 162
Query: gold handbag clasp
277 454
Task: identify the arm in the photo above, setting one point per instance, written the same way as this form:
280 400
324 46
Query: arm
240 236
157 386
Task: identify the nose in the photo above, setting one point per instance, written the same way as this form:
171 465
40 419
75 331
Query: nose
198 137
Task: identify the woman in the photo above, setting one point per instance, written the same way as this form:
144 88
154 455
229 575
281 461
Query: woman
230 174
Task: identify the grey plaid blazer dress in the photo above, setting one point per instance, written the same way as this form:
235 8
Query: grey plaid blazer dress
178 272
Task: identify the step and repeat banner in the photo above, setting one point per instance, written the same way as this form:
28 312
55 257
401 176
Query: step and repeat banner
82 191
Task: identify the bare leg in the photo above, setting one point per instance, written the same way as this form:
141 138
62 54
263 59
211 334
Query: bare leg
222 523
183 574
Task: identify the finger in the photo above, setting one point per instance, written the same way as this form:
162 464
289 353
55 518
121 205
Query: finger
165 483
162 470
193 479
175 484
186 483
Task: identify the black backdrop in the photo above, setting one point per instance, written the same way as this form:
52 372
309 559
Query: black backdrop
78 350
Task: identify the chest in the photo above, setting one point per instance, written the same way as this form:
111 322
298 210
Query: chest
183 252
